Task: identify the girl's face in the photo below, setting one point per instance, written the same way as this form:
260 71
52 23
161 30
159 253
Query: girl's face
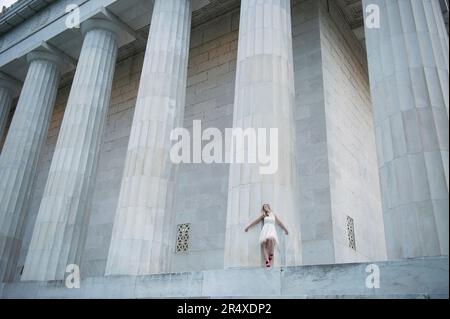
266 207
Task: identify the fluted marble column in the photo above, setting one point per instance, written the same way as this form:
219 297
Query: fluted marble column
264 97
20 154
8 87
60 230
408 66
141 238
6 101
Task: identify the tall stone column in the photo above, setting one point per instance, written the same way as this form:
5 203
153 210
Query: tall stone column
408 66
6 101
141 239
264 98
8 87
20 153
60 230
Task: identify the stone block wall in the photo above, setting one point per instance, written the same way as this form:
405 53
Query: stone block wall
202 190
337 169
352 158
310 121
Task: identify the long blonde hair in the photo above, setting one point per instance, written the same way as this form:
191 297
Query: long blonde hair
266 212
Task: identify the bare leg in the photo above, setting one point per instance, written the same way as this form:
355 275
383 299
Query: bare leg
266 253
270 249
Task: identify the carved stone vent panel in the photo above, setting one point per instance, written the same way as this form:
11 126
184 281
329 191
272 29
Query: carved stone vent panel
351 233
182 245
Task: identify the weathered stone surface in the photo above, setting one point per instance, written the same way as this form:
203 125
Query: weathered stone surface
173 285
117 286
239 282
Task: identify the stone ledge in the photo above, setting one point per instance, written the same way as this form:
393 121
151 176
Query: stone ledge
419 278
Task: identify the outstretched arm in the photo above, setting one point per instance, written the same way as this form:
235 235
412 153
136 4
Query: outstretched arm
253 223
281 224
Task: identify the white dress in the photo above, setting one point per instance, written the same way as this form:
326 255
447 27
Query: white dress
268 231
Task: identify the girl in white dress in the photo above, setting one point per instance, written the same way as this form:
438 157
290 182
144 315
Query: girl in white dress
268 237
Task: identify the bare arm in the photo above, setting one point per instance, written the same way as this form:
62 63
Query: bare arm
253 223
281 224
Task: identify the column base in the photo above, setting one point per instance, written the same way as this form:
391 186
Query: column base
403 279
